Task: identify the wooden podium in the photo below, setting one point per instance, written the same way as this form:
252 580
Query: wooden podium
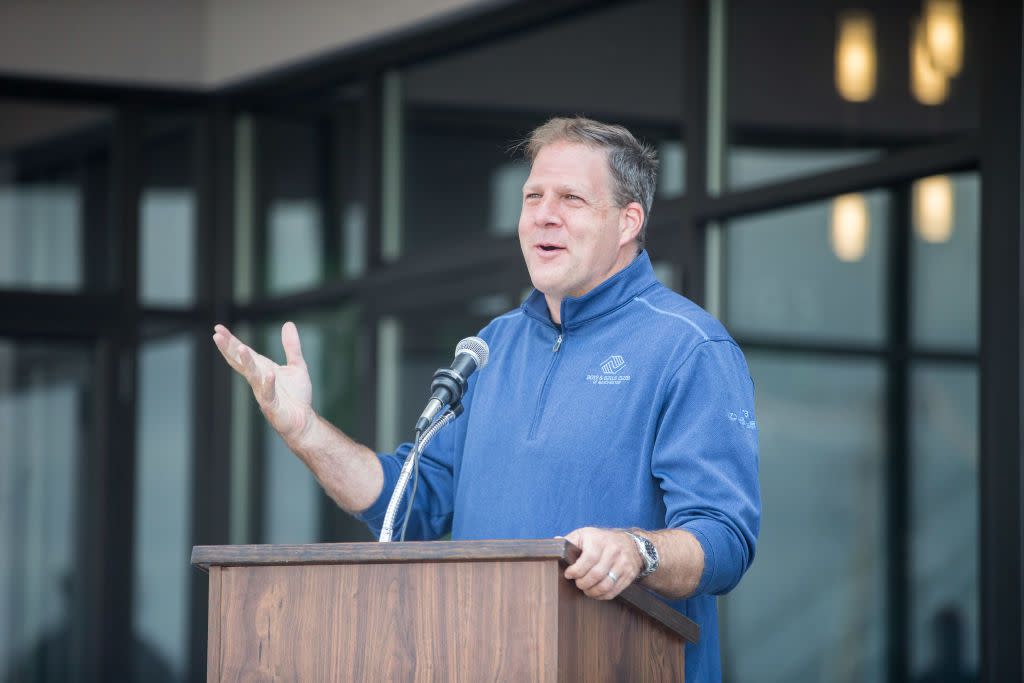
441 610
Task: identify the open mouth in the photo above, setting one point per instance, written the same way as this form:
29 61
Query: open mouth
550 247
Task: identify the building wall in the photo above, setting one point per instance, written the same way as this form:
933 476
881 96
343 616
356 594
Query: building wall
198 43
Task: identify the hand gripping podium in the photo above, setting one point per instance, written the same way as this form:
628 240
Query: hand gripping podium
428 611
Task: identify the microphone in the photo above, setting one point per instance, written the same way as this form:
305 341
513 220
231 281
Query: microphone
449 384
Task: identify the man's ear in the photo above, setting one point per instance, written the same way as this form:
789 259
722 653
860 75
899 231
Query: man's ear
630 223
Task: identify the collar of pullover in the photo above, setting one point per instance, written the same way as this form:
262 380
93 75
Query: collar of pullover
617 290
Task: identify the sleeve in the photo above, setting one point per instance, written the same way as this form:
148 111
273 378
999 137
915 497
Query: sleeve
706 460
431 515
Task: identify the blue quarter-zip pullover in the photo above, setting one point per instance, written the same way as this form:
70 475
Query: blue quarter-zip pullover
636 411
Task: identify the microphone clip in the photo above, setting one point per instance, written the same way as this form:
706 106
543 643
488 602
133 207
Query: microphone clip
446 379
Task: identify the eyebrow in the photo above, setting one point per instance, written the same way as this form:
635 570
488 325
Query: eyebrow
561 189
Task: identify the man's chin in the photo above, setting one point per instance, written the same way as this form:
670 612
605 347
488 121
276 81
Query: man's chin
548 286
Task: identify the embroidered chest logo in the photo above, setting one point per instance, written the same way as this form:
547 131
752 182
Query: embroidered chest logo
611 371
743 419
612 365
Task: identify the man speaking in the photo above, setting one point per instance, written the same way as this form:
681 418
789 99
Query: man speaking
613 411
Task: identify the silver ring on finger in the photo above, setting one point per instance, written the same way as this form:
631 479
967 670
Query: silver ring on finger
613 576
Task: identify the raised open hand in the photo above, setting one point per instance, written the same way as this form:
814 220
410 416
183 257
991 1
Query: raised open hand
284 392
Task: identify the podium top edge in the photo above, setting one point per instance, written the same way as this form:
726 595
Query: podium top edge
205 556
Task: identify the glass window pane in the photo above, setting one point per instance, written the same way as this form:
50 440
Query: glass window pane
46 400
292 499
813 603
167 219
449 123
814 86
810 272
163 499
294 212
945 258
415 344
310 184
54 197
944 522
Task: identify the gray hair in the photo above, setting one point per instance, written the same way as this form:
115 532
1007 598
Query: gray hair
633 164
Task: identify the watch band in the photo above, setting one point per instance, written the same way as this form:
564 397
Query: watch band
648 552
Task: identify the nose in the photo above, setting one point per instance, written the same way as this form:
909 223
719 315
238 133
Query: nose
546 213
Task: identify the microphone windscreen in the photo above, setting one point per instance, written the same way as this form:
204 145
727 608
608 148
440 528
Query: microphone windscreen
475 346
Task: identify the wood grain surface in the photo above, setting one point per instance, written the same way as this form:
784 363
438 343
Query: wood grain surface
649 604
465 621
602 640
214 621
203 556
456 610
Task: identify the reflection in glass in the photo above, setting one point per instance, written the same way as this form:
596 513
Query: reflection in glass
163 499
856 57
812 86
750 165
944 521
294 203
449 123
933 208
294 232
813 603
945 274
851 227
291 497
167 220
54 196
944 34
309 183
928 82
45 405
783 278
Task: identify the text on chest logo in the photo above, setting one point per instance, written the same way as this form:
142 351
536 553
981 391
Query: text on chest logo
610 369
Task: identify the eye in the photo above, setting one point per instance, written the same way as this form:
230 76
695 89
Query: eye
573 198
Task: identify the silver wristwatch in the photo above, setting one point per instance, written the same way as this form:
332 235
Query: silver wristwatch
648 552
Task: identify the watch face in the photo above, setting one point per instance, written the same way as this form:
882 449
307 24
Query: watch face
649 553
652 554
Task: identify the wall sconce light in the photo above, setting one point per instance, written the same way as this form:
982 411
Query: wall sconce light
856 59
929 84
944 35
932 200
850 227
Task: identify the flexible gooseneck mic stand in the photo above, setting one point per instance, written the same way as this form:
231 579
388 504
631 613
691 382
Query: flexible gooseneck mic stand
388 530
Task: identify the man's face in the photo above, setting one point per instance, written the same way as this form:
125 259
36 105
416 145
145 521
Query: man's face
572 235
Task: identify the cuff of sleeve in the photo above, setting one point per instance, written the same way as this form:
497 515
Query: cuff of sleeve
707 533
373 516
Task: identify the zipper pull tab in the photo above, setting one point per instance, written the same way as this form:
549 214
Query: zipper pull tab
558 344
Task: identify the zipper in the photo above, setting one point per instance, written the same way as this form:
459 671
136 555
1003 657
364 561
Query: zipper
544 388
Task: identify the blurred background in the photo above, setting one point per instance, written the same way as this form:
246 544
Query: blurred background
840 184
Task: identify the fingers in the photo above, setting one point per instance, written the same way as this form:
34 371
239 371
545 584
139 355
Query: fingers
292 345
230 346
603 569
588 555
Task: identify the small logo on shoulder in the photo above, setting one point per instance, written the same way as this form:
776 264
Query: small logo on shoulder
743 419
611 368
